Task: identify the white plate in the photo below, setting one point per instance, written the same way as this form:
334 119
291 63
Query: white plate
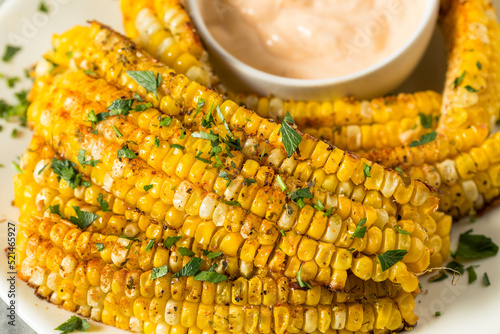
464 308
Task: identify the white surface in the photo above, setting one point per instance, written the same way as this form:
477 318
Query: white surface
464 308
376 80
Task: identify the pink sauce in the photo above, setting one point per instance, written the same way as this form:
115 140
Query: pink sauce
312 39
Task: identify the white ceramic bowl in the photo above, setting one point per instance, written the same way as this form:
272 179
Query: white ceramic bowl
377 80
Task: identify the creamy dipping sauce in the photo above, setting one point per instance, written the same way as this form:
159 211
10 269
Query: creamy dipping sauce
312 39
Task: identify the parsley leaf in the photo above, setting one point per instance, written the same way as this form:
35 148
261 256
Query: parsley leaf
190 269
180 147
10 52
54 209
67 171
299 195
42 7
198 157
479 66
455 266
391 257
249 181
170 241
426 121
120 107
289 136
150 245
471 89
472 274
302 284
90 73
148 187
165 121
83 162
143 106
117 132
126 152
459 80
157 142
103 203
147 80
486 280
231 203
204 135
367 170
210 276
186 252
424 139
83 219
99 246
159 272
73 324
211 255
471 246
360 230
401 231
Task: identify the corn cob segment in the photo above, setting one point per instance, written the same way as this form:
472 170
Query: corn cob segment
471 91
345 111
171 38
132 299
186 95
335 228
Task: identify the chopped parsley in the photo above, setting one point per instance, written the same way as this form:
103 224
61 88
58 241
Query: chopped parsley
100 246
117 132
198 157
360 230
367 170
281 183
283 233
73 324
148 187
472 274
318 205
185 252
126 152
401 231
103 203
67 171
165 121
226 177
150 245
471 246
459 80
83 162
90 73
180 147
302 284
42 7
157 142
143 106
479 66
83 219
199 106
289 136
426 121
231 203
54 209
170 241
210 276
249 181
328 212
146 79
299 195
10 52
120 107
190 269
437 314
391 257
424 139
211 255
159 272
470 89
486 280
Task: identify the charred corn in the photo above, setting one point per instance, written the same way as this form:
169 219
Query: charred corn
173 40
